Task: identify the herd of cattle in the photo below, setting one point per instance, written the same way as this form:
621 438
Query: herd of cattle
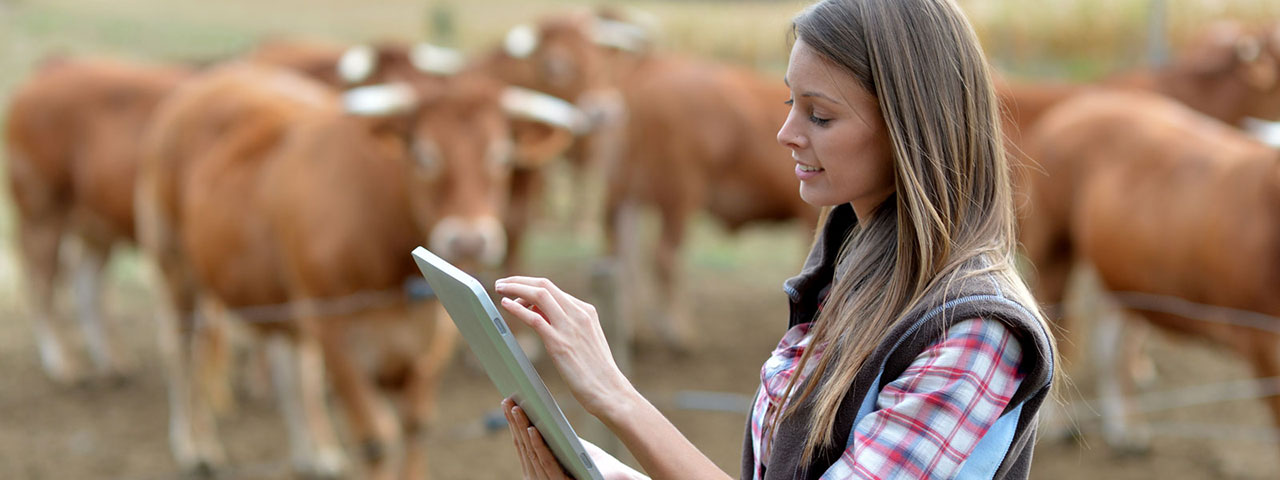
274 188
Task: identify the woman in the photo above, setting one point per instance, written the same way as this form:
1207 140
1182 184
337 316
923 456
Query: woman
929 356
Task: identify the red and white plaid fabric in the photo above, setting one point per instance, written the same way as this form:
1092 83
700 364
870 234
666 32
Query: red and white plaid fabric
926 421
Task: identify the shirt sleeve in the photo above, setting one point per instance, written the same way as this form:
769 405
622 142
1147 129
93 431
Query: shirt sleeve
929 419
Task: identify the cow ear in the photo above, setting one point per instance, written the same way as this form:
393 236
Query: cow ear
537 143
543 125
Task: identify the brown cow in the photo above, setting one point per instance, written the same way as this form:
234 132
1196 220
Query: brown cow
1229 75
699 137
303 218
1172 206
230 117
442 183
570 56
580 57
72 140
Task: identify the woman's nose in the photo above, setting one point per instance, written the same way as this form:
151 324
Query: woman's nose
788 137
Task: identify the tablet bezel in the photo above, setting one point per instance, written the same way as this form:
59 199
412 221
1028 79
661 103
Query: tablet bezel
484 330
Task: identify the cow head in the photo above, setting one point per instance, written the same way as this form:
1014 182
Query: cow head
1240 59
461 137
396 62
576 56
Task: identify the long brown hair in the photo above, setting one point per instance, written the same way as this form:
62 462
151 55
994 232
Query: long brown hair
953 203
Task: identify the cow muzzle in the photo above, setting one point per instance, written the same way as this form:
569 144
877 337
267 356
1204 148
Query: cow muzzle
478 242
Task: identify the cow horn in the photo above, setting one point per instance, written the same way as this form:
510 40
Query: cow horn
529 104
357 64
1265 131
521 41
620 35
436 59
379 100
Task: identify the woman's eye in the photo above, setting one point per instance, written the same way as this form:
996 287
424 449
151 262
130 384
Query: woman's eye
821 122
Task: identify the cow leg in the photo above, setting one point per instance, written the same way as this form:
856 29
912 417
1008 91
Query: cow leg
299 379
1114 386
1137 362
371 420
622 252
672 323
87 285
40 241
423 390
192 427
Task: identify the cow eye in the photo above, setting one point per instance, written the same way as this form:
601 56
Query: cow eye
426 156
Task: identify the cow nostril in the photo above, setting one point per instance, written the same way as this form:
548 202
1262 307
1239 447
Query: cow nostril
467 245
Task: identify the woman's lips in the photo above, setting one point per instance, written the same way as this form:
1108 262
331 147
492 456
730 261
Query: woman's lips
805 172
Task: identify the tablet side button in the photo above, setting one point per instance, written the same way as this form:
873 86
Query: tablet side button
586 459
502 326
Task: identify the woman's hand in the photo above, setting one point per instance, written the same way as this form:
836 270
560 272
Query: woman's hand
571 331
536 459
538 462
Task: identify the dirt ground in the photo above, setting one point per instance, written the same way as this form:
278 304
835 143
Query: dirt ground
119 431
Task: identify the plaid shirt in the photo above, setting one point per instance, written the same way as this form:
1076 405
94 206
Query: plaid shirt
927 421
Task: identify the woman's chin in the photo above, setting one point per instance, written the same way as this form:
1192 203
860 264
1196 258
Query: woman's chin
816 198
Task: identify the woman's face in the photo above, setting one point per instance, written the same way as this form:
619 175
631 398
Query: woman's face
836 135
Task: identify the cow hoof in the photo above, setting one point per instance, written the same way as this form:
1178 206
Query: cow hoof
115 379
67 376
200 470
326 465
374 451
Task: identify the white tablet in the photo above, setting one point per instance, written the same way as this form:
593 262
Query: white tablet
482 327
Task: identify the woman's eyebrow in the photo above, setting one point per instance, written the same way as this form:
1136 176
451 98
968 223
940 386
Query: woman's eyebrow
810 93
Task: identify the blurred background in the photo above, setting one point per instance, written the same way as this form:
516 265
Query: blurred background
1202 415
